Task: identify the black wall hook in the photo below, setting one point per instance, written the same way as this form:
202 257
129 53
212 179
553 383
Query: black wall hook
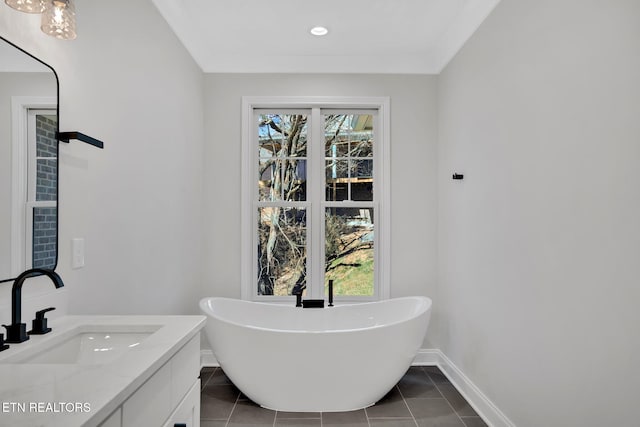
458 176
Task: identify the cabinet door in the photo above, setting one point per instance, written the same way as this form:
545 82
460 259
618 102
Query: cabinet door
188 412
185 368
150 405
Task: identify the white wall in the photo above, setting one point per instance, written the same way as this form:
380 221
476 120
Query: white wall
413 169
126 80
539 246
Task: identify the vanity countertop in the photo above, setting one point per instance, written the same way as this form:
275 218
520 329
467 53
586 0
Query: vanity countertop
43 394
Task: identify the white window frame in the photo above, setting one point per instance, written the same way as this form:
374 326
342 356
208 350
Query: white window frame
382 206
21 208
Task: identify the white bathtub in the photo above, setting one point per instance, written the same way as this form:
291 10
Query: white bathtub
310 360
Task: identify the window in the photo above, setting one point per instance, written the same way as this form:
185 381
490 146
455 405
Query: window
42 189
315 198
34 176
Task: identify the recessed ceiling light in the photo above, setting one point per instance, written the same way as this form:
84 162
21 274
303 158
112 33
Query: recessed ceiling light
319 31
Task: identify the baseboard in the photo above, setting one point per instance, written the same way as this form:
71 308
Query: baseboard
208 360
427 357
487 410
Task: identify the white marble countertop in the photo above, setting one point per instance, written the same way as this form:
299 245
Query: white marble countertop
34 395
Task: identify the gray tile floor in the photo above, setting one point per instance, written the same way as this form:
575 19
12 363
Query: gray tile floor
424 397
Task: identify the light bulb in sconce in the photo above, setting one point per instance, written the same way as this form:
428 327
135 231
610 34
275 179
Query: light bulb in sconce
29 6
59 19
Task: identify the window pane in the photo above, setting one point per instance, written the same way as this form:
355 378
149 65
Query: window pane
282 250
282 179
363 147
362 182
362 168
46 179
336 130
282 150
282 135
348 135
44 237
349 253
337 180
349 157
46 142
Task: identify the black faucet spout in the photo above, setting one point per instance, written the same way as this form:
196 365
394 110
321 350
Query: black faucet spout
330 292
16 332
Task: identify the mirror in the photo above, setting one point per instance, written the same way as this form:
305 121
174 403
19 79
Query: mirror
28 162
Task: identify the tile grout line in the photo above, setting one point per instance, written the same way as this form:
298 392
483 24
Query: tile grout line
202 386
366 414
450 405
445 397
469 416
392 417
233 409
407 405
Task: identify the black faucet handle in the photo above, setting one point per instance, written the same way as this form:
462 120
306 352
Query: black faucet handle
3 346
40 313
39 324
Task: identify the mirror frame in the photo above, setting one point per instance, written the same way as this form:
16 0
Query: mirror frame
55 265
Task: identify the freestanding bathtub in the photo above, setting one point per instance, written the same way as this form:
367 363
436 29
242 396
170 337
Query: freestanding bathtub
315 359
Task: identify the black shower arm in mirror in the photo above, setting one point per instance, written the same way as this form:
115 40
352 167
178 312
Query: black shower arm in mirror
68 136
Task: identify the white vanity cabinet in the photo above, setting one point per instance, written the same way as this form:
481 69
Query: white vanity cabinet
170 397
148 375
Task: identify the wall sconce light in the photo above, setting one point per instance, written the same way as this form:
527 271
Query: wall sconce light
58 16
59 19
28 6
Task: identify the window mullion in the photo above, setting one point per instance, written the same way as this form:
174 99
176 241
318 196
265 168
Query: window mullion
32 165
316 194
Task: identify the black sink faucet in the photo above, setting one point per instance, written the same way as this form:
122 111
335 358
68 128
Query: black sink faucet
17 331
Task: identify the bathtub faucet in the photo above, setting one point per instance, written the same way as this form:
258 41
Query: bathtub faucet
311 303
330 292
299 300
297 291
307 303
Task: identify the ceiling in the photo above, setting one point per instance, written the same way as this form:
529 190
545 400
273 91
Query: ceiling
365 36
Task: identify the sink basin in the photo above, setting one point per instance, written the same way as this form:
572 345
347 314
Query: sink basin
88 348
85 347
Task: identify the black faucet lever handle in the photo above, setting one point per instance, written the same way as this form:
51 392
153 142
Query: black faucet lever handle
40 313
3 346
39 324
